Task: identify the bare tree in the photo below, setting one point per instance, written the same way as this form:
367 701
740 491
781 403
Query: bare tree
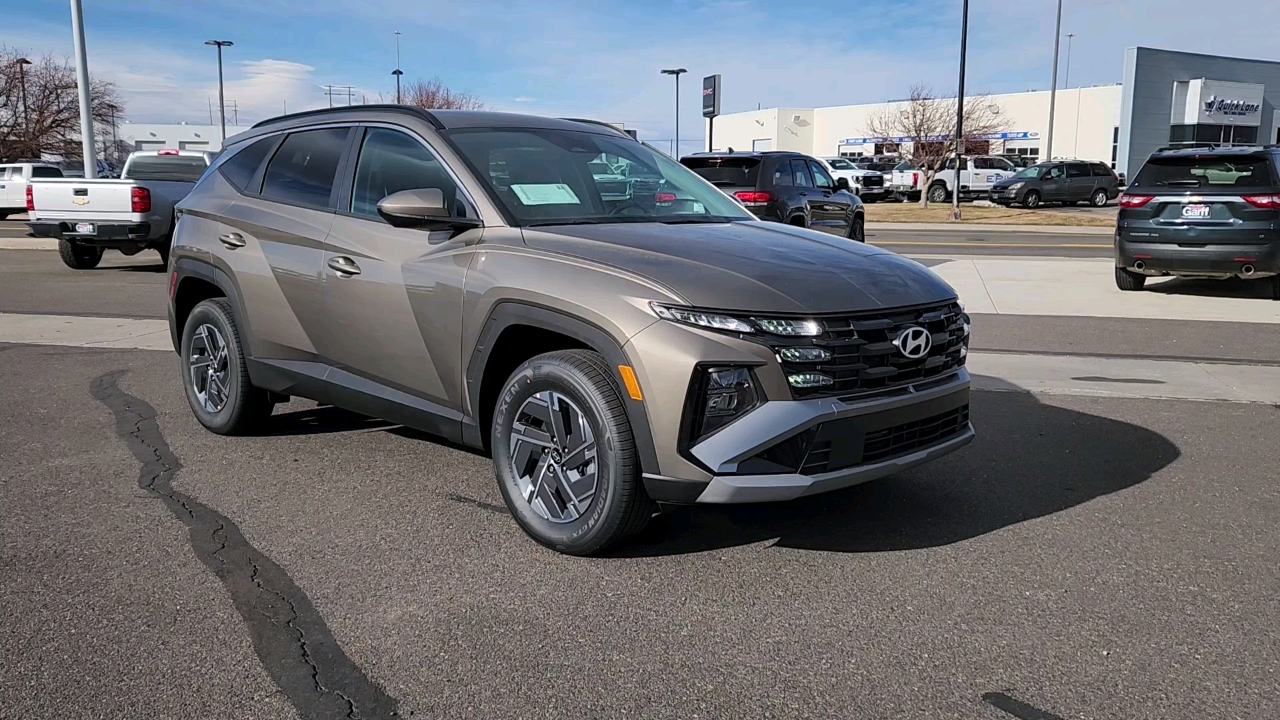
50 122
928 124
433 94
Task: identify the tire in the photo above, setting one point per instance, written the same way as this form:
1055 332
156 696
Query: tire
4 216
1031 200
1099 198
79 257
938 193
238 408
799 221
858 229
1129 281
618 507
163 249
1275 287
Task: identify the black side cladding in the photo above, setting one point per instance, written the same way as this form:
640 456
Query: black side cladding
289 636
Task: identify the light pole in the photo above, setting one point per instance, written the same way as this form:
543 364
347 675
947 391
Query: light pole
397 72
82 84
222 105
677 72
22 84
955 182
1066 76
1053 87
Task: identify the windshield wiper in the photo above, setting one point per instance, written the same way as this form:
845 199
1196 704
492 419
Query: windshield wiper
567 221
705 220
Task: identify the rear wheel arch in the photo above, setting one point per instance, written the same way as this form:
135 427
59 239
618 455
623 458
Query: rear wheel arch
533 330
198 280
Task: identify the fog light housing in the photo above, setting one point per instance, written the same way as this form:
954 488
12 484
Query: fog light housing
809 380
804 354
725 394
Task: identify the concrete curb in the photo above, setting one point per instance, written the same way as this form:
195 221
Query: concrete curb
28 244
974 227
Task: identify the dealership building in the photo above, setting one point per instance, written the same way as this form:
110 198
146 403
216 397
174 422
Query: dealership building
1166 98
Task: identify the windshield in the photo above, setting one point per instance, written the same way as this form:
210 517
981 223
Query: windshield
553 177
166 167
878 167
840 164
1250 171
904 166
1030 173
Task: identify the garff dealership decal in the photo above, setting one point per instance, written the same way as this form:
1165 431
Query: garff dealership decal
1215 105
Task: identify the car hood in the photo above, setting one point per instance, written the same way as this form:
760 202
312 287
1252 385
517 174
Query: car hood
752 266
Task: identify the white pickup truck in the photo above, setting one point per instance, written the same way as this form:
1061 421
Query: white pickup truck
866 184
980 173
130 214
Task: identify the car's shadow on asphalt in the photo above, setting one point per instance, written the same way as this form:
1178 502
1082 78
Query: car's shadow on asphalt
1028 461
319 420
1229 288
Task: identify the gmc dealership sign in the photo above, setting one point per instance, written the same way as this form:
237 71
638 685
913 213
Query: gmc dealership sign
711 96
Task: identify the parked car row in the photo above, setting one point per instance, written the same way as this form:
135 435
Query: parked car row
1068 183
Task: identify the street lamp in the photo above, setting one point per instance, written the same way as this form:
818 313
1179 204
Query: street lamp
397 72
677 72
964 47
22 83
222 106
1053 88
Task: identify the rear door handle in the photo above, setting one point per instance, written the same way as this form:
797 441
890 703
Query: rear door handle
344 266
232 240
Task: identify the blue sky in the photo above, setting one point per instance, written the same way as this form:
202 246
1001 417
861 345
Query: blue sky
600 58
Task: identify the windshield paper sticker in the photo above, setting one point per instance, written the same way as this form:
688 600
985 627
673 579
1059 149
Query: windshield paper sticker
546 194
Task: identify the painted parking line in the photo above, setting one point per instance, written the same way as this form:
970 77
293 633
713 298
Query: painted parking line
1049 374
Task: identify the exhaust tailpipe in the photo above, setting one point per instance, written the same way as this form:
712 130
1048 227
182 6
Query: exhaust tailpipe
1246 270
1139 266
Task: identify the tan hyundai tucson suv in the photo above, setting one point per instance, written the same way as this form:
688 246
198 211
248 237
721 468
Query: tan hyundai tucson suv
612 329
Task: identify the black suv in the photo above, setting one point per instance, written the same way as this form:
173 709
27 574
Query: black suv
1067 182
785 187
1202 212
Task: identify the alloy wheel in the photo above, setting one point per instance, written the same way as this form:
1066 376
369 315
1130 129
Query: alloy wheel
209 368
553 452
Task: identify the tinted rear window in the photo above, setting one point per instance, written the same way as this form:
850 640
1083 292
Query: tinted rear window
729 172
240 168
166 167
45 172
1207 171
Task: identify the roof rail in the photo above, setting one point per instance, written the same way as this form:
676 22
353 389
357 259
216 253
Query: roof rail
384 107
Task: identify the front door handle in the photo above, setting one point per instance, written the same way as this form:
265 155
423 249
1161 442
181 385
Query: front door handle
232 240
344 266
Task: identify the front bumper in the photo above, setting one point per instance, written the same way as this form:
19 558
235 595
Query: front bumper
1214 260
873 193
848 441
105 234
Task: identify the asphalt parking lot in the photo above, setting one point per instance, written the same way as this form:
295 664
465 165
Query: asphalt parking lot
1103 550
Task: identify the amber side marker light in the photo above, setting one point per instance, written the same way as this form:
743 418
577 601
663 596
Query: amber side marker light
629 379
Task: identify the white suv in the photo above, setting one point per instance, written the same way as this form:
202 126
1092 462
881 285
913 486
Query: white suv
866 184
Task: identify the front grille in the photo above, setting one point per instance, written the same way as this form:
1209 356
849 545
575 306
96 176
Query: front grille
883 444
872 181
864 358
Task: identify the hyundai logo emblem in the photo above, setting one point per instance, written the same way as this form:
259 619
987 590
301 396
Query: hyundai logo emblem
914 342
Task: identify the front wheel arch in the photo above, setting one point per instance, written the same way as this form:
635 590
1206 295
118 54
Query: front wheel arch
582 334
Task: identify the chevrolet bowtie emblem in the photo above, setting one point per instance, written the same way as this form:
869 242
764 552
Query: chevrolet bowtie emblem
80 201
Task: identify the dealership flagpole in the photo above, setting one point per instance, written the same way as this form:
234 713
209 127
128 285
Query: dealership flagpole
955 183
1053 87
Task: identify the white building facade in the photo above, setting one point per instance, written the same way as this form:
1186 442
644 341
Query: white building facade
173 136
1167 99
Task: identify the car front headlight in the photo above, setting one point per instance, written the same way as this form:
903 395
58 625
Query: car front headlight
711 321
1015 187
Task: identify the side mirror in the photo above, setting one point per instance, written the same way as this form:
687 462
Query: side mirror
842 183
421 207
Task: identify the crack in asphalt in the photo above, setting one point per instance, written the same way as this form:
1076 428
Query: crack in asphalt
296 647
